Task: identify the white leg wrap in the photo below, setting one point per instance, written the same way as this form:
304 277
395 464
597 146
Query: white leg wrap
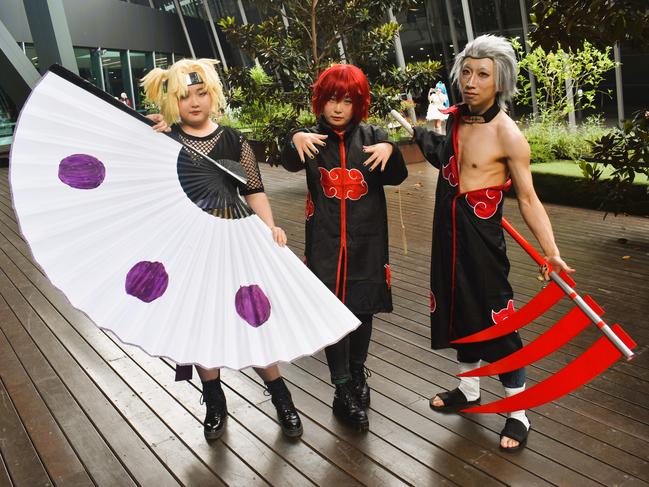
470 386
519 415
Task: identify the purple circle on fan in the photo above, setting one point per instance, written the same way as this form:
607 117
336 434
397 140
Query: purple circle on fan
252 305
147 281
82 171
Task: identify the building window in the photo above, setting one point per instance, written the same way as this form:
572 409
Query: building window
139 67
112 68
163 60
30 52
8 114
88 68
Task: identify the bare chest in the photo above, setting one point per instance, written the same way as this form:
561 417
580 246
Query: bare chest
481 158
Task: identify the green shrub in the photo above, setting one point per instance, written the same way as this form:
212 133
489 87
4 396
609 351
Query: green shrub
553 140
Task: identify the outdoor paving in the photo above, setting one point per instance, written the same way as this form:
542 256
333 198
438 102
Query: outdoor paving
79 408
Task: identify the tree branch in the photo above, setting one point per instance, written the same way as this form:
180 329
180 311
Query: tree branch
314 33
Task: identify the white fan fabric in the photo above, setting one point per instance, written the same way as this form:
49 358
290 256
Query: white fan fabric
87 241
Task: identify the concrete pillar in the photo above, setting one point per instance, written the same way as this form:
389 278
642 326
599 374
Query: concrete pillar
215 35
182 23
49 27
18 73
402 64
467 20
572 122
97 68
127 74
244 19
618 83
524 15
451 25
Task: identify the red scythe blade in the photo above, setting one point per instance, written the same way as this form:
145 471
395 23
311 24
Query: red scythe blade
580 371
538 305
561 333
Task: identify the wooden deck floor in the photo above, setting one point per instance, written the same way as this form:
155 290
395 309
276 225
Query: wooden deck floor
79 408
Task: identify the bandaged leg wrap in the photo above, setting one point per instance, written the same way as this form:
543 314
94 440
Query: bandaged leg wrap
470 386
519 415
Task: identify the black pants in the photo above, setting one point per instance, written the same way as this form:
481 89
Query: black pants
350 351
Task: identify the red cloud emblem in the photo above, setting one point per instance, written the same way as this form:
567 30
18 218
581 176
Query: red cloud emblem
310 207
484 202
433 302
448 172
343 183
498 316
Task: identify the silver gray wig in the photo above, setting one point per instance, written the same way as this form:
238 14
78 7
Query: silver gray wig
502 53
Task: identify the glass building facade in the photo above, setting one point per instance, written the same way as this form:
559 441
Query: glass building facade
433 29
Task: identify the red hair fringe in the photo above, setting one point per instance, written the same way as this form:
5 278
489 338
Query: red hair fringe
339 81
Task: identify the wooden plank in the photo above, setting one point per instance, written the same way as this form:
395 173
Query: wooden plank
596 435
188 428
114 359
391 350
80 431
428 443
304 390
5 480
19 455
421 287
394 392
124 441
56 454
401 370
332 462
592 410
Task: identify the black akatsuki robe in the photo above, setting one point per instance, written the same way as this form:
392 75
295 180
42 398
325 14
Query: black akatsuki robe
346 216
469 290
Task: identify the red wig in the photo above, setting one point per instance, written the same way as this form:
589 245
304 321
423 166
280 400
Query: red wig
340 81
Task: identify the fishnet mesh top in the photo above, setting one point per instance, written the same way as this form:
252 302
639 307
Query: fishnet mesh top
247 159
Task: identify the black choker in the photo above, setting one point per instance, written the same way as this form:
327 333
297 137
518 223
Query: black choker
486 117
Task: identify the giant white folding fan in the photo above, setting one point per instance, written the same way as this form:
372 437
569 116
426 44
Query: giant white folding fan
111 212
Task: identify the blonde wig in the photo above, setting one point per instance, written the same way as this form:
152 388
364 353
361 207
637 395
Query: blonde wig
502 53
165 87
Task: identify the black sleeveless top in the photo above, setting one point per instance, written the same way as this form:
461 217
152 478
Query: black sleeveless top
209 187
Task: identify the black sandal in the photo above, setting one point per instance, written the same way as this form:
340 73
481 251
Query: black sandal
454 401
516 430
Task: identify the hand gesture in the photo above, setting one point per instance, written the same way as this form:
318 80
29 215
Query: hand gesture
379 155
305 144
160 124
557 264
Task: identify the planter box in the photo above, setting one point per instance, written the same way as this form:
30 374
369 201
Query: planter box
411 152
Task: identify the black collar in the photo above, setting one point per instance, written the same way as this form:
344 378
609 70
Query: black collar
486 117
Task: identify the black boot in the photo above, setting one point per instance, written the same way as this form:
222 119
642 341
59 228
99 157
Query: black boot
360 373
347 408
288 417
217 411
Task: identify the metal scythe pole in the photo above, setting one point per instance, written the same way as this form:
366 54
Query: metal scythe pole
572 294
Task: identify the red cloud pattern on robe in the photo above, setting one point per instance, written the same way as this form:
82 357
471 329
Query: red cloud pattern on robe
433 302
498 316
337 180
484 202
448 172
310 207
